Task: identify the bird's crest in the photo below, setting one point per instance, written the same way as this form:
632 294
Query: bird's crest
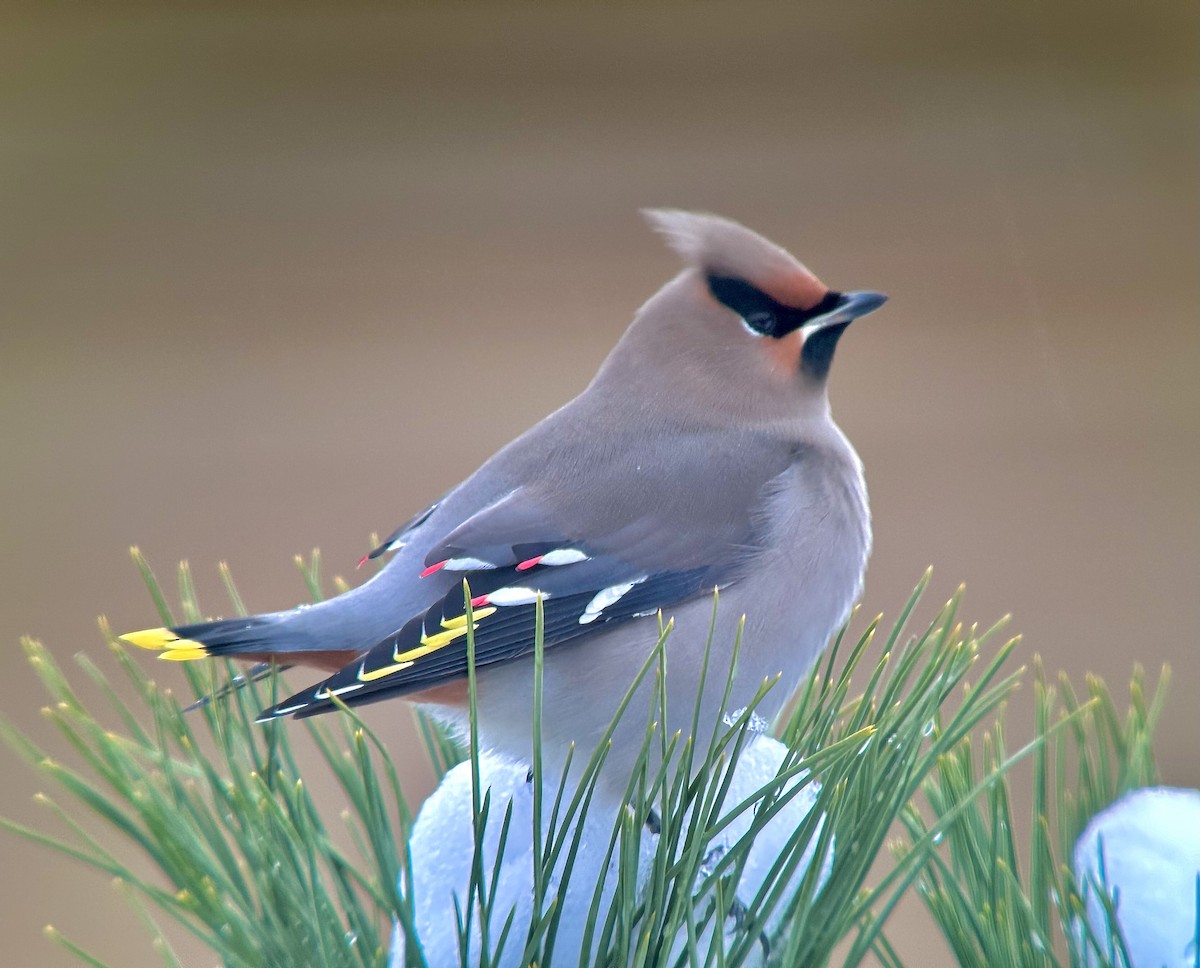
721 247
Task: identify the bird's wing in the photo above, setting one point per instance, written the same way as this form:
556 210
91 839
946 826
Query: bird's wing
513 553
396 540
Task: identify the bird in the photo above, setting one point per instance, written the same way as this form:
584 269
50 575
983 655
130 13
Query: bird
701 459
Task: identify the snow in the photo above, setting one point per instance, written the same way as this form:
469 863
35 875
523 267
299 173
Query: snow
441 850
1144 851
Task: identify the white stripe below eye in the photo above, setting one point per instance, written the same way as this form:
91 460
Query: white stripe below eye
514 595
606 597
563 556
467 564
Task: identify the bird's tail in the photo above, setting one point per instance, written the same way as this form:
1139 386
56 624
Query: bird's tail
273 642
256 637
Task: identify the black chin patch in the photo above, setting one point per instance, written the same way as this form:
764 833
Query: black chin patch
816 356
764 315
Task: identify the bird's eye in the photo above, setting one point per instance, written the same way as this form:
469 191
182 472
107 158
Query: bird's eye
759 311
760 324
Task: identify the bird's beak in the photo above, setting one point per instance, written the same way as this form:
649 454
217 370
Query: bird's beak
848 308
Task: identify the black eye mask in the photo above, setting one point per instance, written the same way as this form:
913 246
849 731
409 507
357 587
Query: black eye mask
769 317
764 315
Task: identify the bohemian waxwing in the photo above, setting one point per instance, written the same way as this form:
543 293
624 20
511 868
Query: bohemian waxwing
702 456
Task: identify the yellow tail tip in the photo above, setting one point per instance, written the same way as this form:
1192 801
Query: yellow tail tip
159 640
153 639
182 654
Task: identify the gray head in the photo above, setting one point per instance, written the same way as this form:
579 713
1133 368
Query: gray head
746 329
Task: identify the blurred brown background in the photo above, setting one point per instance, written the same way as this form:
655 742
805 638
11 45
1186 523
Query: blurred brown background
274 277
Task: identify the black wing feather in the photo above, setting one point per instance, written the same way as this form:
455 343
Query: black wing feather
502 632
394 540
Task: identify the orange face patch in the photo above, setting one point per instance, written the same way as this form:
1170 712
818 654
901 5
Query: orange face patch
784 353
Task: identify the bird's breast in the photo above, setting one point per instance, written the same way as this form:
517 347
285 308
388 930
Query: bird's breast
819 538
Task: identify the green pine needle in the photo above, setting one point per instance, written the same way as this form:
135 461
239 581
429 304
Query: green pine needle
248 863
